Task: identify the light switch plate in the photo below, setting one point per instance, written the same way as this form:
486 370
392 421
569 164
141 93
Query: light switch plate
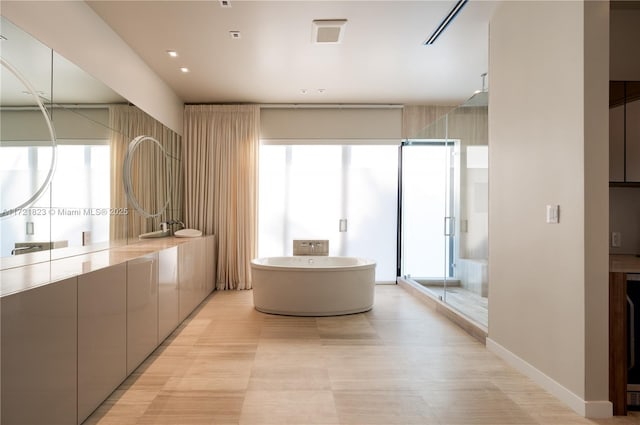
553 214
616 239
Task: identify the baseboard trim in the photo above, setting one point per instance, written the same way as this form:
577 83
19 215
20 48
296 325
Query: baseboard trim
589 409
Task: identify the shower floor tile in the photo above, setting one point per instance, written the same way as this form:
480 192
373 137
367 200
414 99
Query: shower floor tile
466 302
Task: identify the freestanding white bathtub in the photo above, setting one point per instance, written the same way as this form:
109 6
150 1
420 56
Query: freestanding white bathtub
313 285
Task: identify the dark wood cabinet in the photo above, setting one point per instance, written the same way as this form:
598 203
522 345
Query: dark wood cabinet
624 133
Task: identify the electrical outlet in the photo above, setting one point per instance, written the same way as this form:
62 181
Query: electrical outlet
616 239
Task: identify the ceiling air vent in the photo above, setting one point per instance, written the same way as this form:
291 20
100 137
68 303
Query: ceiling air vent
445 22
328 31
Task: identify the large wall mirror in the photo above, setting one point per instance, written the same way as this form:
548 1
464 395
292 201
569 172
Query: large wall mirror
63 140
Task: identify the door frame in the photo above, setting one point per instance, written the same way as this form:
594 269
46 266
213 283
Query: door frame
452 201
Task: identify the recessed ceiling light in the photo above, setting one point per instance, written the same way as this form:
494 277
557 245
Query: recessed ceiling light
183 69
172 53
235 34
225 3
321 91
303 91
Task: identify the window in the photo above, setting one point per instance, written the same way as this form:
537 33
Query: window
305 190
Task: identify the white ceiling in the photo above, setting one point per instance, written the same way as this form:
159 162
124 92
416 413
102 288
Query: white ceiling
382 58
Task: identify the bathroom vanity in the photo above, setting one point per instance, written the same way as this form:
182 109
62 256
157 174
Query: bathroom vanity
73 329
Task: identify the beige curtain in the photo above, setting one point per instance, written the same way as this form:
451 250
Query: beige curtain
221 180
157 178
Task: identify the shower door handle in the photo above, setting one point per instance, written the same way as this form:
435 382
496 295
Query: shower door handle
448 229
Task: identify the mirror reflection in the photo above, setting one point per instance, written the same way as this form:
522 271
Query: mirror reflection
83 208
22 188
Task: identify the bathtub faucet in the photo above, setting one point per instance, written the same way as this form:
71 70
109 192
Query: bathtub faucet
313 246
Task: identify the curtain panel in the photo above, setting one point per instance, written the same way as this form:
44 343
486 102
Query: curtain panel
221 145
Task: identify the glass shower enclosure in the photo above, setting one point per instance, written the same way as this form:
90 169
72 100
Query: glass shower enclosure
444 204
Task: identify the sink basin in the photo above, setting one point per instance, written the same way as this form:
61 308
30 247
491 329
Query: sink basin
188 233
156 234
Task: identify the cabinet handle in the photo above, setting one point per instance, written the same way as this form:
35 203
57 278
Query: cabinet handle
632 332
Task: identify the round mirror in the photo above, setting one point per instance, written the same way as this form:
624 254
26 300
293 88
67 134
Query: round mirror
147 176
28 159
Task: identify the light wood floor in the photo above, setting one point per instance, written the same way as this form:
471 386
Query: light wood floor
400 363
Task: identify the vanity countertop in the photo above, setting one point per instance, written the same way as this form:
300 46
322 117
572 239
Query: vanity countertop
22 278
624 263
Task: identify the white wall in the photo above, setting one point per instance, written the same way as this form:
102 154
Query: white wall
74 30
548 137
596 192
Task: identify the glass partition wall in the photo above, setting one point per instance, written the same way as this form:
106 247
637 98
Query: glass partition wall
444 204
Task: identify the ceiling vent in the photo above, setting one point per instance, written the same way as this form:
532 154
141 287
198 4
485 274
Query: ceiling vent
328 31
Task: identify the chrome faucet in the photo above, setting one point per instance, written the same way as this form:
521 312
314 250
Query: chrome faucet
313 247
18 250
170 223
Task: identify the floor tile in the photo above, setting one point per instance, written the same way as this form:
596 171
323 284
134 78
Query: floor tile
288 407
194 407
290 377
382 407
400 363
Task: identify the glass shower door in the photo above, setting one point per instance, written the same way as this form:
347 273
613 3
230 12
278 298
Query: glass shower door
468 291
444 228
428 222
